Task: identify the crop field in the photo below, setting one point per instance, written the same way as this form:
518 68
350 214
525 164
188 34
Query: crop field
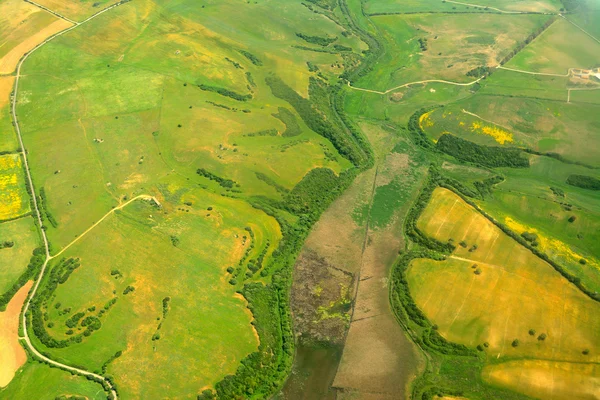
411 6
22 27
472 296
433 46
561 47
8 140
12 355
77 10
13 195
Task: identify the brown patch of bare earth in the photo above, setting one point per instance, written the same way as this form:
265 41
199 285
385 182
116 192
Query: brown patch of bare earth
6 85
12 355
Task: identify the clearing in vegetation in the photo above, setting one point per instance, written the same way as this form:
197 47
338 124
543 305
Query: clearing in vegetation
493 291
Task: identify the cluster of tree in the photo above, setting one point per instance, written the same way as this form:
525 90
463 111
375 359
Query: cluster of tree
292 128
111 359
584 182
312 67
128 289
165 306
35 263
314 118
423 44
280 189
43 203
557 191
414 129
528 40
226 183
339 47
485 186
225 92
6 244
253 59
559 157
250 79
74 319
264 132
487 156
319 40
480 71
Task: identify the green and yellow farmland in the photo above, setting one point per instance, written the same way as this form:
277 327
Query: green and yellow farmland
14 200
492 291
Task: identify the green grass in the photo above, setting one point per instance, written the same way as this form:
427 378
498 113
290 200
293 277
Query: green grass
560 47
456 44
411 6
14 260
39 381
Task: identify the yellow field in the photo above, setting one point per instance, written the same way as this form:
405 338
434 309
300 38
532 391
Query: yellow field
513 293
22 27
13 196
547 379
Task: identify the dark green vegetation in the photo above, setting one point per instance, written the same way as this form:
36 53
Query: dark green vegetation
584 182
486 156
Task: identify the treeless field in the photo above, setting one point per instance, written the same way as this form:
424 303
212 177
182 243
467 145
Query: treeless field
13 195
499 292
547 379
22 27
12 355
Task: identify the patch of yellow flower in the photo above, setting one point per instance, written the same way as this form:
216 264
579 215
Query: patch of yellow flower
461 123
11 201
425 121
552 246
500 135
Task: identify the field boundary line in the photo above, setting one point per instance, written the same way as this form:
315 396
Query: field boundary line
580 28
27 341
140 197
492 8
536 73
52 12
415 83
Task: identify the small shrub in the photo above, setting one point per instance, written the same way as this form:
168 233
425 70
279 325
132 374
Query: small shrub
532 332
515 343
543 336
463 244
572 218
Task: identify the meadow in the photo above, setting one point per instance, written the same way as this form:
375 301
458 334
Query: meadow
472 298
171 102
13 194
432 46
412 6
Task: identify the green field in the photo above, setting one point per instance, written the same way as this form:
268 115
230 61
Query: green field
14 259
411 6
39 381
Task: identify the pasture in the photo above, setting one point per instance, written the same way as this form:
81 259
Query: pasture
39 381
410 6
561 47
441 46
14 259
493 291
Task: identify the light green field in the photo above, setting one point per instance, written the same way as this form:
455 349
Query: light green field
402 6
39 381
14 260
77 10
560 47
456 44
205 315
514 292
112 110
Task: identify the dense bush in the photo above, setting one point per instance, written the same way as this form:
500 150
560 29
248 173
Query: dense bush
226 183
253 59
225 92
487 156
584 182
315 120
479 71
35 263
319 40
